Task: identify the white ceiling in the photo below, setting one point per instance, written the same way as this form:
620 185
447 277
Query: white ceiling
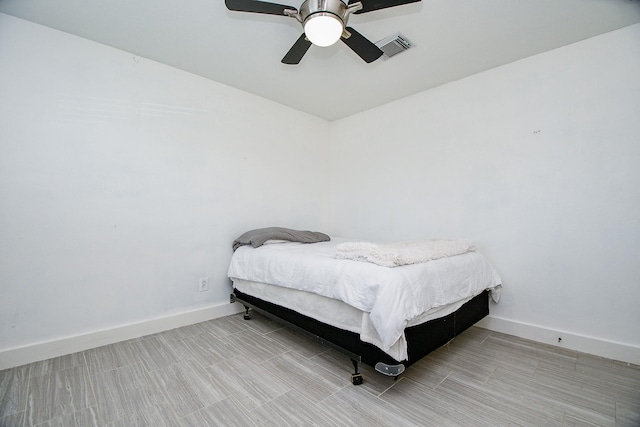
454 38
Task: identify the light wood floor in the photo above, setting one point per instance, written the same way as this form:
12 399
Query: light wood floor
230 371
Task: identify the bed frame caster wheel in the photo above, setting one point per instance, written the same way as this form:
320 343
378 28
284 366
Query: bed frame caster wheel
356 379
247 315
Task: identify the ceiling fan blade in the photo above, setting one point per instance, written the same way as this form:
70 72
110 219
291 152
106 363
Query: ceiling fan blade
366 50
370 5
257 7
297 51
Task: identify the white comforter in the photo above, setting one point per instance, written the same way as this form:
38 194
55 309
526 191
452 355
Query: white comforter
392 296
403 253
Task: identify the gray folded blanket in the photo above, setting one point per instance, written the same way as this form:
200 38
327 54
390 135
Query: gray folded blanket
258 236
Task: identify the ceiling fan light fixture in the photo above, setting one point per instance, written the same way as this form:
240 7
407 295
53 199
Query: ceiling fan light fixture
323 29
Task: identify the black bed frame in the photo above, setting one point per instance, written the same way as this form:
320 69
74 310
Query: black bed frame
421 339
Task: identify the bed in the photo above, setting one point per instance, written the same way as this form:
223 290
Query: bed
387 312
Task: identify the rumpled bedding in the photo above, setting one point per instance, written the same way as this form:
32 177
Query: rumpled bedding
403 253
391 296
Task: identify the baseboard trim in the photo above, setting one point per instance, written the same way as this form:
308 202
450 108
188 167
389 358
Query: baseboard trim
585 344
46 350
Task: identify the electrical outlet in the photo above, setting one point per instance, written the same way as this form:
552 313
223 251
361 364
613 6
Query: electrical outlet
203 284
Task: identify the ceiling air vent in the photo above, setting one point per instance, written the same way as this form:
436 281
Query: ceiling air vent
394 45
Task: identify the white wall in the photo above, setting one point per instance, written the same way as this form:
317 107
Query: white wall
124 181
539 161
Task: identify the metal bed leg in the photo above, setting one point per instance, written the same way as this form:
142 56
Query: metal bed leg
247 315
356 377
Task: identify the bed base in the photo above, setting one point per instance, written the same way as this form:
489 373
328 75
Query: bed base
421 339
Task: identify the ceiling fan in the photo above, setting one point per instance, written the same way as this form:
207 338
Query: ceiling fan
324 23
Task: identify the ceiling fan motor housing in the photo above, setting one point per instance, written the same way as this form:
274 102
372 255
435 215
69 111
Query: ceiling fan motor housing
312 8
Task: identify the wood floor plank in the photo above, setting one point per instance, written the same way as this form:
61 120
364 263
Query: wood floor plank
615 379
187 387
264 416
208 349
508 403
14 384
58 394
156 353
255 346
302 375
183 332
538 350
225 326
226 413
252 385
57 364
424 406
123 392
461 364
620 371
340 365
13 420
551 394
155 416
110 357
296 410
86 417
572 382
571 421
516 359
357 407
229 371
428 373
628 415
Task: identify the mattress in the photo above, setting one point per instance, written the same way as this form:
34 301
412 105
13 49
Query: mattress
376 302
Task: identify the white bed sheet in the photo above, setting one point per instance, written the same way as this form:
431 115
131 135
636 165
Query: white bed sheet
392 297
